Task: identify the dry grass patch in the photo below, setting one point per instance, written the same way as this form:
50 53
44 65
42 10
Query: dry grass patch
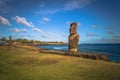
25 64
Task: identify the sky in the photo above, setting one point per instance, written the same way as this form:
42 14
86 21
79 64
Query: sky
49 20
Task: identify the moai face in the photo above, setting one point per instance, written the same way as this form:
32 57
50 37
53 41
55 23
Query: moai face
73 28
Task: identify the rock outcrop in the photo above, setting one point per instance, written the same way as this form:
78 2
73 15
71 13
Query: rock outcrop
73 38
103 57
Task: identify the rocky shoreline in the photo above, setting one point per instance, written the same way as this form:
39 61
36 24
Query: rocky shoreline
93 56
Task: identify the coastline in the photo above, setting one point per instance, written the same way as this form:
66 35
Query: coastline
27 63
93 56
91 49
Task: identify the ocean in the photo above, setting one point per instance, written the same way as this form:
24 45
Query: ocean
113 50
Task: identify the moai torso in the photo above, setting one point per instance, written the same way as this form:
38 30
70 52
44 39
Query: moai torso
73 38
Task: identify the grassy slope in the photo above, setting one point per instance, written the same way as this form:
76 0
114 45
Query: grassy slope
22 64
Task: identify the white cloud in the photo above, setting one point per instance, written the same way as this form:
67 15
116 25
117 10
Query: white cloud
44 20
44 36
36 29
23 21
4 21
19 30
32 25
74 4
69 5
16 30
53 11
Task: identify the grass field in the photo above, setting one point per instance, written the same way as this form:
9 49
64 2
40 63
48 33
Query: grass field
24 64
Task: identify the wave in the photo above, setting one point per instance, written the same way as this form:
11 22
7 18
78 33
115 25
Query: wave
58 48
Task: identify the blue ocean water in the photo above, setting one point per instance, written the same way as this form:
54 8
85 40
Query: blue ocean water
113 50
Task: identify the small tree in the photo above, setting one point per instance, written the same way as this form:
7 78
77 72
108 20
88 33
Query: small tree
3 39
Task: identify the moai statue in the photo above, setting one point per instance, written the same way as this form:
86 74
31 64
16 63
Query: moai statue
10 41
73 38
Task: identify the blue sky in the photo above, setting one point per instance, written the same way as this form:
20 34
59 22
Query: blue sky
49 20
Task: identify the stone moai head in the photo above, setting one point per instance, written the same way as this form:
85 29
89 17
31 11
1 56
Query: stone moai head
73 28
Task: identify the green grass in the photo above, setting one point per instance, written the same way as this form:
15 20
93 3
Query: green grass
23 64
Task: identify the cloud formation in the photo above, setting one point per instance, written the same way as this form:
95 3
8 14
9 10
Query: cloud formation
47 11
23 21
44 20
74 4
4 21
36 29
19 30
44 36
69 5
